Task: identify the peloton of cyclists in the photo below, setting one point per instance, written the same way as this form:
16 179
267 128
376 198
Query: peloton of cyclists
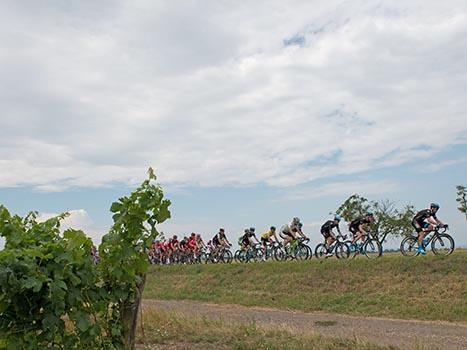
424 222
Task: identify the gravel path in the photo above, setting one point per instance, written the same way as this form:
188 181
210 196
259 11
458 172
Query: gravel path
401 333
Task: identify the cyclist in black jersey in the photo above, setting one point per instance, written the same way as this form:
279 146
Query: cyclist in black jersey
357 227
424 222
326 230
247 239
220 240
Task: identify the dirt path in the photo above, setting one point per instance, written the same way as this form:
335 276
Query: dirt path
401 333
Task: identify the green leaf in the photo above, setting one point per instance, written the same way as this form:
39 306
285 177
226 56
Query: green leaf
50 322
82 321
116 207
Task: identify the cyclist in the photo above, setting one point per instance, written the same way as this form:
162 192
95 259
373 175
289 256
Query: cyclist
200 242
220 241
247 239
192 244
357 227
289 232
173 247
183 245
267 238
424 222
326 231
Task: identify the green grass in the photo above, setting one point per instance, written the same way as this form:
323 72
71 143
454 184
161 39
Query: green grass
168 330
428 288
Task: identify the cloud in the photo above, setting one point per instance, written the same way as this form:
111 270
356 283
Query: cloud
213 97
344 190
434 167
78 219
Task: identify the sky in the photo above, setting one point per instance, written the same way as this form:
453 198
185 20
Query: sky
251 113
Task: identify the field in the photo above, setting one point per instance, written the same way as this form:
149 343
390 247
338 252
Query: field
423 288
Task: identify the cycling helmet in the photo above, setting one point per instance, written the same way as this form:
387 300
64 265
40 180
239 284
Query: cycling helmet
221 230
337 217
252 229
296 220
434 205
273 228
369 214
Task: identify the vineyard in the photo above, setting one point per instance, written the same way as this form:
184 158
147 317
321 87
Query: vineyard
54 296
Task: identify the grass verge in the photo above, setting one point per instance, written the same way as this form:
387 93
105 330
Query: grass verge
168 330
427 288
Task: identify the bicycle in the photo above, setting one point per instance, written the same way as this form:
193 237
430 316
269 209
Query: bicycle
271 250
441 243
371 247
297 249
253 253
339 248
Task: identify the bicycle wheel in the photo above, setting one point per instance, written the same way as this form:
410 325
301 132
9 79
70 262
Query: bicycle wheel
321 251
226 256
409 246
257 254
239 256
301 253
342 251
310 251
203 258
372 248
279 254
442 244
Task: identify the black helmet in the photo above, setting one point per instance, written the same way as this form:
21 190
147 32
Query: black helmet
434 205
273 228
252 229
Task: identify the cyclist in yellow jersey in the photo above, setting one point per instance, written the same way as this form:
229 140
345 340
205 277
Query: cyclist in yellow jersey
267 237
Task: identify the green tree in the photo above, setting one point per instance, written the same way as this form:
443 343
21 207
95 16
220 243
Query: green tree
461 199
389 220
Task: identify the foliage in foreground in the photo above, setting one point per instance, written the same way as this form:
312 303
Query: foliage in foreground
52 294
183 332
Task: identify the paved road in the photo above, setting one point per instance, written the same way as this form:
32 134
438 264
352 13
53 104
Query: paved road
401 333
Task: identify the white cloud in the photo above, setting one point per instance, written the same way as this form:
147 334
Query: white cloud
437 166
208 94
78 219
343 190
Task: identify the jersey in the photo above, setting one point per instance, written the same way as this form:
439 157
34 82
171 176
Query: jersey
268 234
328 226
355 224
424 214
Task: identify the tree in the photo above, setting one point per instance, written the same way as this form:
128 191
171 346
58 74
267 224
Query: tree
461 199
388 219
